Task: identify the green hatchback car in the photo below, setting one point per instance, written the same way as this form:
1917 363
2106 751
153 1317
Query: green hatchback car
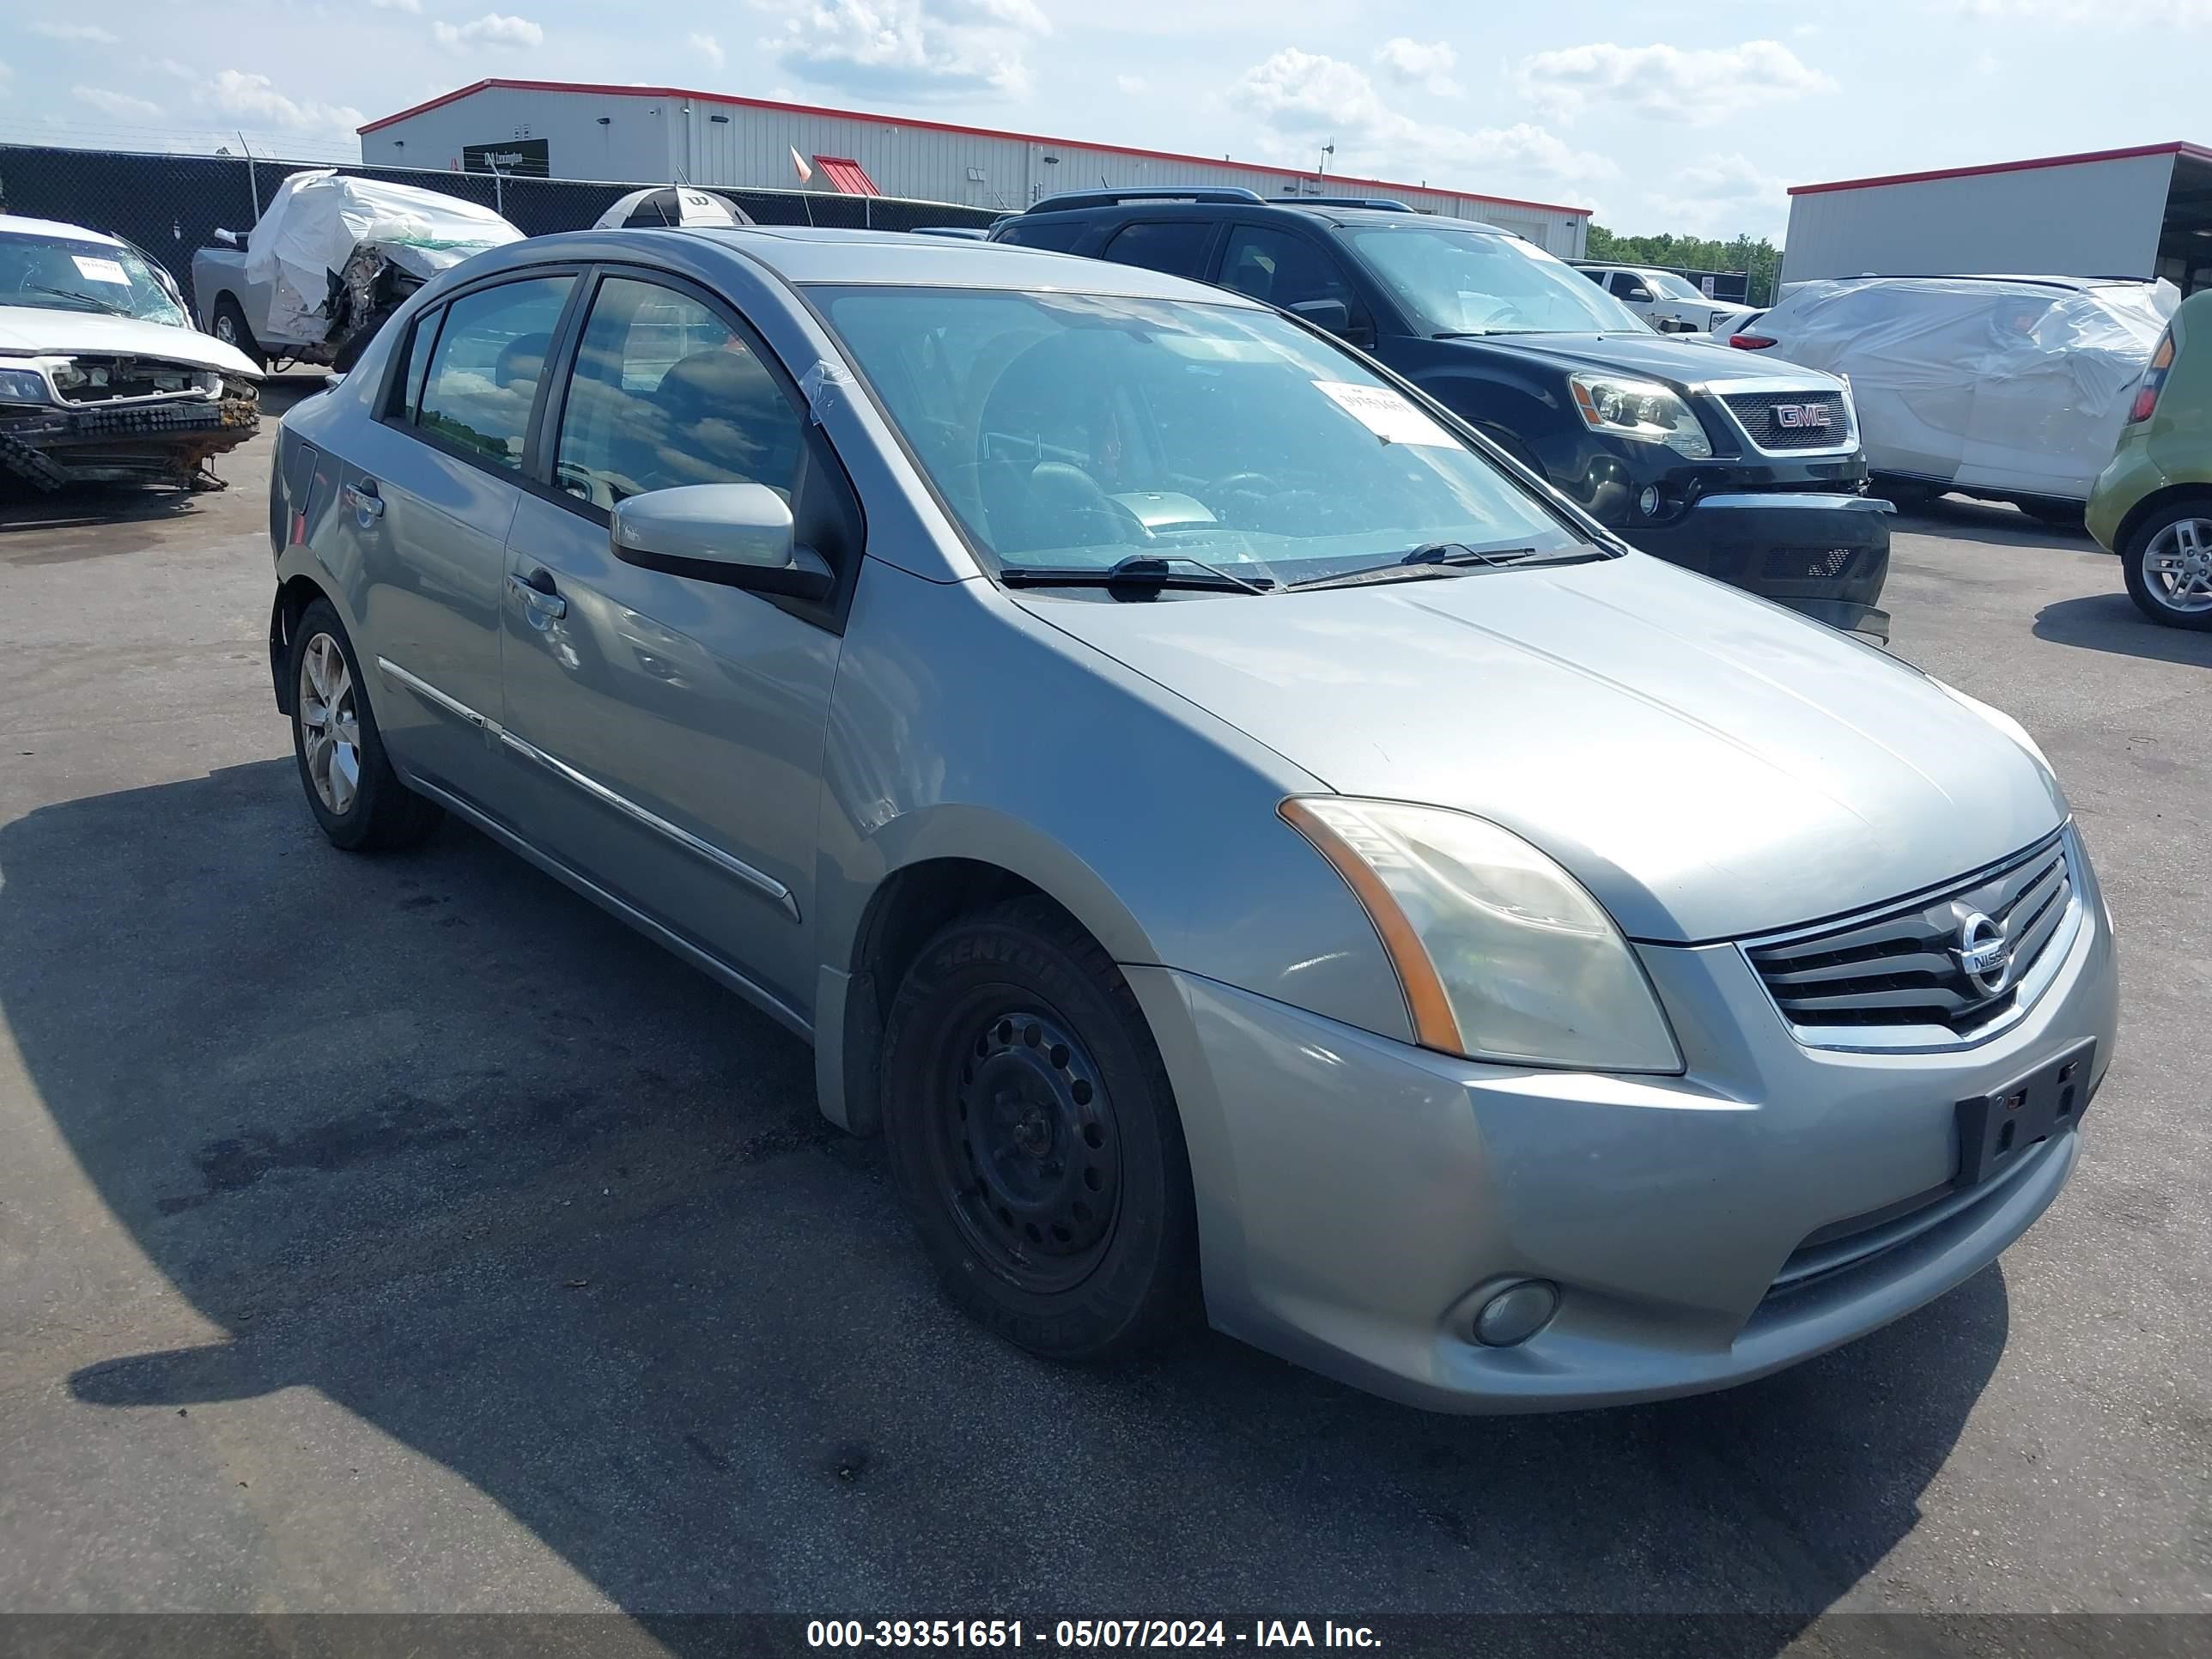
2152 504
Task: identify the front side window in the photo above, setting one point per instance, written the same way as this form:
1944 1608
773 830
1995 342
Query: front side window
667 393
1280 270
56 273
1175 247
484 371
1081 429
1456 281
1625 284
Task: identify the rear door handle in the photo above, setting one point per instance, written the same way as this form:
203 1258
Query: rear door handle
368 506
539 598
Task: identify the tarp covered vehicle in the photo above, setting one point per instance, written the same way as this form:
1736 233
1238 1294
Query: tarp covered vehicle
2012 388
331 257
103 379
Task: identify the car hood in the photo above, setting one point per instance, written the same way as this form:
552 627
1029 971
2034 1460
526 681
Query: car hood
1677 361
39 329
1710 765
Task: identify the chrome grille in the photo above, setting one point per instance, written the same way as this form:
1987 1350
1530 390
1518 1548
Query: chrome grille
1893 979
1758 413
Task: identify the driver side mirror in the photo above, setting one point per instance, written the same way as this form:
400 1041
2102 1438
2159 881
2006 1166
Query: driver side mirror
229 238
1638 295
738 535
1335 316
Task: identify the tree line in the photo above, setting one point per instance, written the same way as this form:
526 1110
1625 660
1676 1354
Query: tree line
1760 258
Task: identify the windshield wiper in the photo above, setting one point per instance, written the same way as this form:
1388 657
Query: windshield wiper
1138 570
1430 559
91 300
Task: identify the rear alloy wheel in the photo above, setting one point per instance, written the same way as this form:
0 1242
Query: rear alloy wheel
1033 1138
2168 565
353 792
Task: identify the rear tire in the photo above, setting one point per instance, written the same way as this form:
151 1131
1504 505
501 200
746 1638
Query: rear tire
1034 1139
228 326
352 790
2167 561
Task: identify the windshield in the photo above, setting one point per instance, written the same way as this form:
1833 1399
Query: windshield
1667 285
1469 282
61 274
1073 431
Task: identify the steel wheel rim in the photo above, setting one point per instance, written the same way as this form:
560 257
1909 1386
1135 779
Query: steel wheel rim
225 329
1029 1155
330 725
2178 565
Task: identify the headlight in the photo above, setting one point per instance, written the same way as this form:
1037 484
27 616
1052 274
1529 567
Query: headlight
1640 408
23 386
1501 954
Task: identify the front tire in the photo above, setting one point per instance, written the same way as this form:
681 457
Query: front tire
1034 1139
352 790
2167 561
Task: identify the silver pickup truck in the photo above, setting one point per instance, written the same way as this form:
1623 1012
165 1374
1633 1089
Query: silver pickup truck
332 256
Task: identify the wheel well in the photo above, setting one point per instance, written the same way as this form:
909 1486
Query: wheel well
2152 503
293 596
906 911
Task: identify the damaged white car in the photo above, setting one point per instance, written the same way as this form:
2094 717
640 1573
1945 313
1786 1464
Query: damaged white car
329 259
103 379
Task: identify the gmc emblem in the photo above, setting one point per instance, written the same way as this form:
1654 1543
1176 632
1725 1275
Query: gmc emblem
1795 415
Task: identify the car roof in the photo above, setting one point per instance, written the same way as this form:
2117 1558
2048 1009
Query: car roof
1140 207
56 228
803 254
2076 284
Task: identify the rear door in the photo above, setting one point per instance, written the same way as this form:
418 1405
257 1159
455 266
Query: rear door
1177 247
676 725
425 502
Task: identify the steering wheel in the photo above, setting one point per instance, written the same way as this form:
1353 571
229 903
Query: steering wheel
1072 490
1252 487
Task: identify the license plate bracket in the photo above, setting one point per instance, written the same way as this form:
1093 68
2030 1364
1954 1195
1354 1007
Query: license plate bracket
1995 1129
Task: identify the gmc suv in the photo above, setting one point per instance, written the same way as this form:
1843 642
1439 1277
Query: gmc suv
1748 472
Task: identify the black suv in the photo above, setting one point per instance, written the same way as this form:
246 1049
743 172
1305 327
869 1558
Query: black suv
1747 470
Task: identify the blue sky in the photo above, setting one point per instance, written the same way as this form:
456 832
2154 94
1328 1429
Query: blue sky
1660 116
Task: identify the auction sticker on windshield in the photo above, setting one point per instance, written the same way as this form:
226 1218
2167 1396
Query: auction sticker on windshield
1387 415
99 270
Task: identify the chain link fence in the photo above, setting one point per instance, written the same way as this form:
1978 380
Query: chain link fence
170 205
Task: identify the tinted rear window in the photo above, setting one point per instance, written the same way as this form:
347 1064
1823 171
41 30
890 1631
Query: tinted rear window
1060 235
1175 247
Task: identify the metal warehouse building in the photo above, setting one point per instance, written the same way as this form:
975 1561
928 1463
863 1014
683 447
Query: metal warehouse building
2141 212
562 130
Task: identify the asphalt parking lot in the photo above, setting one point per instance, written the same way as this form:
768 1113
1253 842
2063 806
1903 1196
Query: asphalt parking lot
404 1234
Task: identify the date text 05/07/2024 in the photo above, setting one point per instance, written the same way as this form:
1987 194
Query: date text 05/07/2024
1085 1634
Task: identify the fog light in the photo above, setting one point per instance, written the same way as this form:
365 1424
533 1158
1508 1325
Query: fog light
1517 1313
1648 503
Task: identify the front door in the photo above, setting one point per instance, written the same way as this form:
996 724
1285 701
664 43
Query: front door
677 724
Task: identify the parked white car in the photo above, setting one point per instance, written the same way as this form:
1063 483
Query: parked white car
103 379
1670 303
2010 388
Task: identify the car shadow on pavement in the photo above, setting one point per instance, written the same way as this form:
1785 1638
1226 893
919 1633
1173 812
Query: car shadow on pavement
429 1135
1958 519
2110 622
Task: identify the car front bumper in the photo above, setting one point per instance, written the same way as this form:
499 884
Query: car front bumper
1826 555
155 442
1359 1199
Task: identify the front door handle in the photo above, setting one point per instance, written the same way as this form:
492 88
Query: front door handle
368 506
537 596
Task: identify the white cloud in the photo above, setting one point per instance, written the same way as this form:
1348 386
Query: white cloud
90 33
708 48
492 29
1304 99
1700 87
1725 195
412 8
913 49
255 99
1417 62
120 104
1129 85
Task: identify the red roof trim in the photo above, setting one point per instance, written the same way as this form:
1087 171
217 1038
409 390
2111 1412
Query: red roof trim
2178 147
1333 179
849 175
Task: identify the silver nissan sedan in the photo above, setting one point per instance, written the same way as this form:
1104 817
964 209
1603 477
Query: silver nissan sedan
1252 850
